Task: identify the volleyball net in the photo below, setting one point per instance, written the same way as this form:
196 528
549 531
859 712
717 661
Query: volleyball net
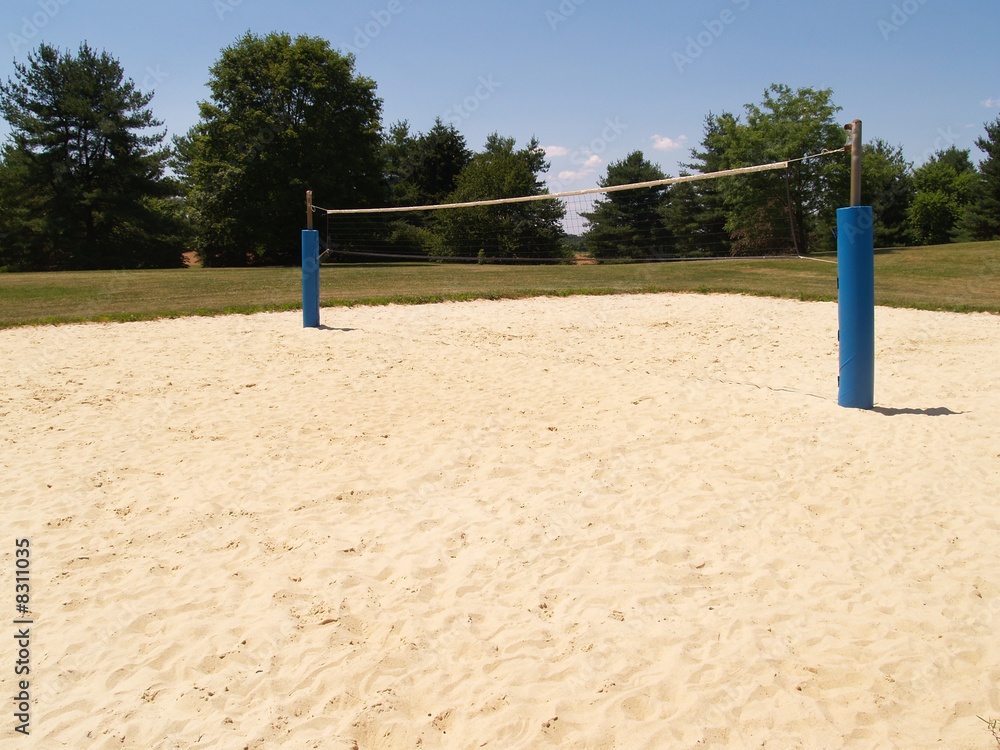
675 218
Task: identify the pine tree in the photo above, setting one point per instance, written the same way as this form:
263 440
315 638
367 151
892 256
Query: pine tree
509 231
84 170
982 217
696 213
630 223
887 186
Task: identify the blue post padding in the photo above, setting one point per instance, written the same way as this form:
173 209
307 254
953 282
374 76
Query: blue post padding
856 295
310 278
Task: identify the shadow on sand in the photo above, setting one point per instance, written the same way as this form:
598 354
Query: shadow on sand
940 411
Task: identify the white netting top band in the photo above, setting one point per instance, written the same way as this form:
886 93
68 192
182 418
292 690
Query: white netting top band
591 191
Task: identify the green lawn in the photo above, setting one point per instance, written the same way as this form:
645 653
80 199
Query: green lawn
962 277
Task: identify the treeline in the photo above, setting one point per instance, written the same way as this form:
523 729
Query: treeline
946 199
88 181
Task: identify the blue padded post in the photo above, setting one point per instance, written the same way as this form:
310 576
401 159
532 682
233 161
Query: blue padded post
856 300
310 278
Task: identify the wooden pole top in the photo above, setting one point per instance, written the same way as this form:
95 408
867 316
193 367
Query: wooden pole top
856 148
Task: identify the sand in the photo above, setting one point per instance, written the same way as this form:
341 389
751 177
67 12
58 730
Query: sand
594 522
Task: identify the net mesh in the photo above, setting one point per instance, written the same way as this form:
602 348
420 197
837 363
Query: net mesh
671 219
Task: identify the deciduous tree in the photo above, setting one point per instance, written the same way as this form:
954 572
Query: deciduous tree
945 185
515 230
284 116
781 211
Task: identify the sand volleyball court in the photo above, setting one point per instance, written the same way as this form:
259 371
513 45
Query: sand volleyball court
593 522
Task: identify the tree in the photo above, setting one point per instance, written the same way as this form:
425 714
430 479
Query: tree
887 185
21 214
84 183
284 116
630 223
421 169
982 216
781 211
945 185
515 230
696 212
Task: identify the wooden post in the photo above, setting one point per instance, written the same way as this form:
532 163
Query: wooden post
856 148
309 209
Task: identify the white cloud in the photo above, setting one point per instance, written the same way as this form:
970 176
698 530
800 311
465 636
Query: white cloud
991 103
662 143
570 176
555 150
593 161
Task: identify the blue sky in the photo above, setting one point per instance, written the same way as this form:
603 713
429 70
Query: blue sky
592 79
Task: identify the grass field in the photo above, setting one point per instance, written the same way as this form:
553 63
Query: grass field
962 278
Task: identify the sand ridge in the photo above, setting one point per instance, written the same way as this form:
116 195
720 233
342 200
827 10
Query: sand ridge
597 522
